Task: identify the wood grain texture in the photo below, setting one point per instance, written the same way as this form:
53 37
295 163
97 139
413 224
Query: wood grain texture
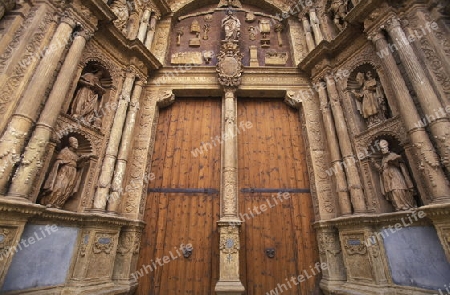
174 219
272 155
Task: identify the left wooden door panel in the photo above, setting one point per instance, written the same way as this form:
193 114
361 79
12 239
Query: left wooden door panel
174 219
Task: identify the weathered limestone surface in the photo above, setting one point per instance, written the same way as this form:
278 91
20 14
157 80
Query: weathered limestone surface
146 55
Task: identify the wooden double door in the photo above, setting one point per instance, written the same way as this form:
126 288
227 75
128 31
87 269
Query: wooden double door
182 209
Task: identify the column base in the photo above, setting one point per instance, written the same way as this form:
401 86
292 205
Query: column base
229 288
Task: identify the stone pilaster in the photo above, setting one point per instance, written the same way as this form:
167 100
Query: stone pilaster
353 179
330 252
104 182
333 146
15 135
122 158
439 124
428 161
35 151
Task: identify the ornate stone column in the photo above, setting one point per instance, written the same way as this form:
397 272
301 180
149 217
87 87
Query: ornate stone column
124 151
315 24
144 25
349 161
308 35
16 134
151 31
34 153
428 160
229 68
335 154
439 124
104 181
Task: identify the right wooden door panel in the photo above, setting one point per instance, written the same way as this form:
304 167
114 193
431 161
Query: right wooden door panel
272 158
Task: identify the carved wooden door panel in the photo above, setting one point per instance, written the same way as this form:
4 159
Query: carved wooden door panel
183 202
277 239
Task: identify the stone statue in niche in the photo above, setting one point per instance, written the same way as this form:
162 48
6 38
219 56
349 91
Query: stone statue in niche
396 185
231 26
230 3
121 10
338 10
86 102
63 180
370 98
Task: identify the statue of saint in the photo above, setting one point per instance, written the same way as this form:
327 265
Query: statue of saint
232 26
370 98
85 103
396 185
338 10
62 180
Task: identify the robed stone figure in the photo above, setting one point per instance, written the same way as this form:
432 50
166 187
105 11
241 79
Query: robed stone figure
62 181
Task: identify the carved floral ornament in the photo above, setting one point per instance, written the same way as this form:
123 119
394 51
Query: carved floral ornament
103 243
229 240
354 244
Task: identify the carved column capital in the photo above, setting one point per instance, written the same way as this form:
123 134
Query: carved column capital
375 36
69 18
392 23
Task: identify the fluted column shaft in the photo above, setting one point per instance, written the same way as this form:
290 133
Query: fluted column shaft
124 151
438 123
104 182
429 164
354 181
14 138
333 146
315 24
151 31
144 25
34 153
308 35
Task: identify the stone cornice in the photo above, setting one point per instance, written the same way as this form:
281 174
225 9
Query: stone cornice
100 9
382 220
39 213
133 48
326 49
